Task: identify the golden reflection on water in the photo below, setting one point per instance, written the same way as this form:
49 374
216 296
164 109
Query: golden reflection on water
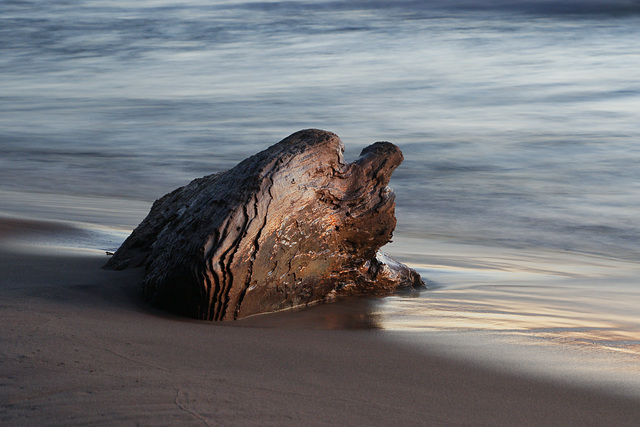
465 310
560 298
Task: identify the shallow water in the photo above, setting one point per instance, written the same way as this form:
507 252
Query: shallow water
519 124
519 196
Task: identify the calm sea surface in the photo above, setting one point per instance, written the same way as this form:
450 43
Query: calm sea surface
519 198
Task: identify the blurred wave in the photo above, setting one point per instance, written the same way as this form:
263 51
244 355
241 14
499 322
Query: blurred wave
519 122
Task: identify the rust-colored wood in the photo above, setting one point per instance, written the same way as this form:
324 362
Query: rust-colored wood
290 226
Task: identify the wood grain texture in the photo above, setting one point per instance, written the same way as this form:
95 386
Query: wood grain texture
292 225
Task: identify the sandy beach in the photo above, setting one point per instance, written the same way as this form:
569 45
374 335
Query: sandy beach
80 348
517 203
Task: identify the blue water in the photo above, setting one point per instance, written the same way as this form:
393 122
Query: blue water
519 120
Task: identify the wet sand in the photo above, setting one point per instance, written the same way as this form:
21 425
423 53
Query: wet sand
79 347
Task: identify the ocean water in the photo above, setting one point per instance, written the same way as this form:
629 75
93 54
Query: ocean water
519 196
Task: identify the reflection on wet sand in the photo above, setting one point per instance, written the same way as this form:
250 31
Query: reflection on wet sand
357 313
552 296
512 311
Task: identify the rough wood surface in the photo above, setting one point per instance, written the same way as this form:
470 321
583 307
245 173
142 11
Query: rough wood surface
289 226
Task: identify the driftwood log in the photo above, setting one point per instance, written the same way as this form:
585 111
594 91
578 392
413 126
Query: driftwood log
292 225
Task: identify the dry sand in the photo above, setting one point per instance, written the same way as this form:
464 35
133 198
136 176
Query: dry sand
78 347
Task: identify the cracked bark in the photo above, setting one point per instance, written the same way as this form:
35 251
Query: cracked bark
292 225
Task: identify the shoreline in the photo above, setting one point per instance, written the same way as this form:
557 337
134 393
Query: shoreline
80 347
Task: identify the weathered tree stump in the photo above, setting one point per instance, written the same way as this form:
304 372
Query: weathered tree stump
292 225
